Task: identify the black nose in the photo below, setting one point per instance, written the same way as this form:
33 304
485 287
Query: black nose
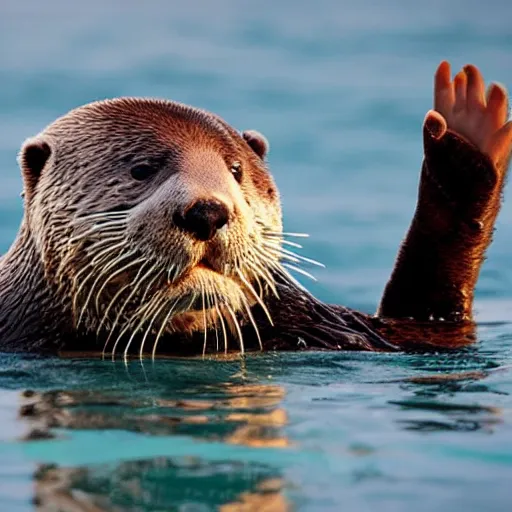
203 219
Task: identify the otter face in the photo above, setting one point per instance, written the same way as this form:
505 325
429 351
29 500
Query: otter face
152 217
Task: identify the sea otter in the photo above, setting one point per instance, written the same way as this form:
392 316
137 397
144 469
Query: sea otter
151 227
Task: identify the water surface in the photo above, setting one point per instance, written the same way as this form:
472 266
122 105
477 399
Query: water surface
340 89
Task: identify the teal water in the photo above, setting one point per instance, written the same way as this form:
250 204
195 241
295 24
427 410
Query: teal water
340 89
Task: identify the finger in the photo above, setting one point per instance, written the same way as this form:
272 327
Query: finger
444 95
475 95
500 145
435 124
460 83
497 104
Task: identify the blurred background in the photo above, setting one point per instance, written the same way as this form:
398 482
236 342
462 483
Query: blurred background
340 88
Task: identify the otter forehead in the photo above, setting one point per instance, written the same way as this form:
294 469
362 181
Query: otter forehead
141 120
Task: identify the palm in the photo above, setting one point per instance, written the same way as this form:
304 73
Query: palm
462 106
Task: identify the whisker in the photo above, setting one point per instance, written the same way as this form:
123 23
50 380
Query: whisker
92 272
99 229
256 277
144 310
261 271
164 323
108 225
291 244
299 270
136 285
270 263
293 256
114 274
223 325
119 337
278 266
102 215
237 327
104 253
204 317
280 270
99 257
169 270
280 234
255 295
175 271
105 257
148 330
150 284
209 297
107 311
289 278
253 322
102 272
116 296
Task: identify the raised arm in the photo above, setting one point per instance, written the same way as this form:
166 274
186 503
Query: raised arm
467 143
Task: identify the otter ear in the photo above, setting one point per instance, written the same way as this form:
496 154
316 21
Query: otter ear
32 158
257 141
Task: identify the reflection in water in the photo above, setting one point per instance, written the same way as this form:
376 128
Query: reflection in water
249 415
455 417
159 484
257 434
428 392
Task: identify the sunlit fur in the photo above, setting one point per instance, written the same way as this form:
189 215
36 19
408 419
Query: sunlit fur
129 273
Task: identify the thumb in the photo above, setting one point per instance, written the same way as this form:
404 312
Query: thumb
434 124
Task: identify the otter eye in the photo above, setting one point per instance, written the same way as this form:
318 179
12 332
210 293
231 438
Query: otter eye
236 171
142 172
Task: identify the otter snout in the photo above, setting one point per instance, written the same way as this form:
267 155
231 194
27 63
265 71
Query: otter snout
203 219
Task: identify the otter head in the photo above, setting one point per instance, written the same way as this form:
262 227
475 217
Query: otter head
152 217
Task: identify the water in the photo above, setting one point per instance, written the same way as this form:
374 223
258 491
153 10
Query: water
340 89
